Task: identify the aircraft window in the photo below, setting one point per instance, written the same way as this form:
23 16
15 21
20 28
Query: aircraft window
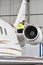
5 31
1 30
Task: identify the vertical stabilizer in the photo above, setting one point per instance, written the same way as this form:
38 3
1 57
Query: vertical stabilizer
21 14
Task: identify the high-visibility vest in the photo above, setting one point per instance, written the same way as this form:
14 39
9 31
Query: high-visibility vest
21 26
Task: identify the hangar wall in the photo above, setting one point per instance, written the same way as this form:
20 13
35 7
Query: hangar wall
9 10
11 7
36 13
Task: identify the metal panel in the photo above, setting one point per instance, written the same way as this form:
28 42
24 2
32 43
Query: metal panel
36 6
5 7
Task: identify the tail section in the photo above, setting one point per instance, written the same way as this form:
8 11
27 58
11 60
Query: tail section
21 14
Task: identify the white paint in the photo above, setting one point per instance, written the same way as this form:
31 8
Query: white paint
9 42
21 14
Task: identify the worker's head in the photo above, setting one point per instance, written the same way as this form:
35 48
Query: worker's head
23 21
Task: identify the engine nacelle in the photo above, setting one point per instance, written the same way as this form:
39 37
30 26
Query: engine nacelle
32 34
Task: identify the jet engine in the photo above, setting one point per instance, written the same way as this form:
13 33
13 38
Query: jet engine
32 34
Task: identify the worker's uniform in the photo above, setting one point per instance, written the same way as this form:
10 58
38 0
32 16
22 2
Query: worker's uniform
20 28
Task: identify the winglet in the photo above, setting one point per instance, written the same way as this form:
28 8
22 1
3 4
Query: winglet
21 14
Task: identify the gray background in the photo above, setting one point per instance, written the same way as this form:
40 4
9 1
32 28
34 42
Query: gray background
9 10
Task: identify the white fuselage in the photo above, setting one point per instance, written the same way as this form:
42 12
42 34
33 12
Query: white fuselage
8 41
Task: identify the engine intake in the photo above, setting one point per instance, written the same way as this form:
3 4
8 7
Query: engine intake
32 34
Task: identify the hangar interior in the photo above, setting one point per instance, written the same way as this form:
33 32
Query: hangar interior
34 14
9 10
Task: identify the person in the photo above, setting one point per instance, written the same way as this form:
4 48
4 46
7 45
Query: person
21 26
